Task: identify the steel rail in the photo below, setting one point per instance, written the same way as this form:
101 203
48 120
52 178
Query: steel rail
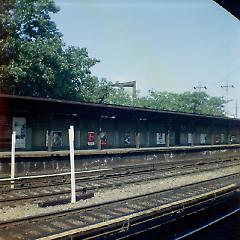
121 168
82 220
62 178
107 182
208 224
46 193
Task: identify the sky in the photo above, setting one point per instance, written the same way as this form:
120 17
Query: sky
165 45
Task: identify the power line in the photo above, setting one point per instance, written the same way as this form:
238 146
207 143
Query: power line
231 62
200 87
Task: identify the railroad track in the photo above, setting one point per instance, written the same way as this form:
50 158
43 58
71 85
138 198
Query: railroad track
45 194
120 214
63 178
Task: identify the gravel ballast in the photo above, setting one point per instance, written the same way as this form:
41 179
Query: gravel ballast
104 195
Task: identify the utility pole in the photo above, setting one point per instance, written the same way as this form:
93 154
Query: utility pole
226 87
200 87
236 108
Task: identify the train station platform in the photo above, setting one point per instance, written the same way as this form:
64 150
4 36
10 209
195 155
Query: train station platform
92 152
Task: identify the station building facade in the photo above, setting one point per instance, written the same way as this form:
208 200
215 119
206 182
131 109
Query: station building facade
42 124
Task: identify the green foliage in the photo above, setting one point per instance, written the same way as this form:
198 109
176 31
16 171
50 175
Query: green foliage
31 19
36 67
42 68
79 64
119 96
196 102
39 63
5 39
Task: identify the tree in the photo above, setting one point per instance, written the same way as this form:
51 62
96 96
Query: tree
40 64
31 20
196 102
5 38
79 64
119 96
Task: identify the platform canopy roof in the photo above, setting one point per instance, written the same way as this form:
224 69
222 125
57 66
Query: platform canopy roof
232 6
19 105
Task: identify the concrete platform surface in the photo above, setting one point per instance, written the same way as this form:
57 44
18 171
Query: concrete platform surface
62 153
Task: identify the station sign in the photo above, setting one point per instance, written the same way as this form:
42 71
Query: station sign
57 140
203 138
91 138
103 137
19 126
233 139
189 138
160 138
222 137
127 139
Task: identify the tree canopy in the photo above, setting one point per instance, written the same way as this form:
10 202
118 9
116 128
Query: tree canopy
34 61
39 63
189 102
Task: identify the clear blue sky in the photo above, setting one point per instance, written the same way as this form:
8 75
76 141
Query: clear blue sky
166 45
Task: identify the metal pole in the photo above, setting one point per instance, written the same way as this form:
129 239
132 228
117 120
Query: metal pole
168 138
13 158
226 87
227 96
236 108
99 133
137 138
71 144
134 88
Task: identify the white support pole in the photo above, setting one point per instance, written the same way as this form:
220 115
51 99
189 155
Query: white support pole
13 158
71 144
